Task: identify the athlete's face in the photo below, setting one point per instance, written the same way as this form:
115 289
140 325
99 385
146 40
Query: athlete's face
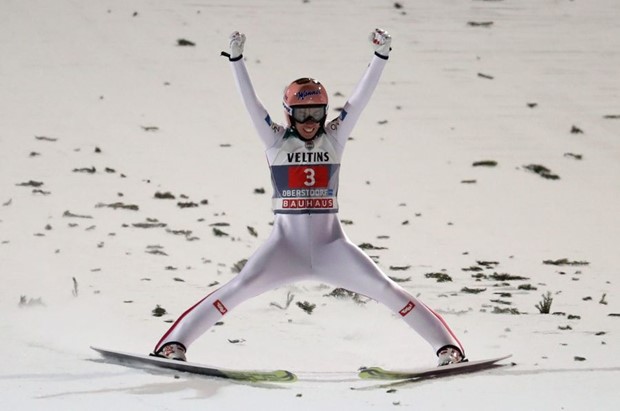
308 130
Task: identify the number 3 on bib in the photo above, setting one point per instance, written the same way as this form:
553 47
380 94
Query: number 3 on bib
308 176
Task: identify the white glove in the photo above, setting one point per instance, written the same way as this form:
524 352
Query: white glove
237 41
381 40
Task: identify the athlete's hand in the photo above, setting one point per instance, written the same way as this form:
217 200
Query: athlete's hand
381 40
237 41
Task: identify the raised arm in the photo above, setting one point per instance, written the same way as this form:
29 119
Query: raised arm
267 130
364 89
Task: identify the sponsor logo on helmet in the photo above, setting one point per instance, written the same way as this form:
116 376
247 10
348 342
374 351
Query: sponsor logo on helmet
303 94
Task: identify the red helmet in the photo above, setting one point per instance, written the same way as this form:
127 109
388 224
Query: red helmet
304 92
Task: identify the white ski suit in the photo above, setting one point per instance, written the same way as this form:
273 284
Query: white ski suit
307 241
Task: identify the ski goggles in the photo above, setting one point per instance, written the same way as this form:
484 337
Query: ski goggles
302 114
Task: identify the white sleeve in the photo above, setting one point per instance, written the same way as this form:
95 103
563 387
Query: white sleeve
267 130
358 100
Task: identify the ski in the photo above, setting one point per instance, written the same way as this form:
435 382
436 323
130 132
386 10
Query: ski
140 361
378 373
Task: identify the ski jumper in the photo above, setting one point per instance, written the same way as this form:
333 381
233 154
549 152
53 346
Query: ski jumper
307 241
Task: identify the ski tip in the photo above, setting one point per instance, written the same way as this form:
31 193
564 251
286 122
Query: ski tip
503 357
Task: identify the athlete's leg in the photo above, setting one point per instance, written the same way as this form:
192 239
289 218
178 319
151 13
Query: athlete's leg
345 265
270 267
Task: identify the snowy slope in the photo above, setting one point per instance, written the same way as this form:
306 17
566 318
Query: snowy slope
102 109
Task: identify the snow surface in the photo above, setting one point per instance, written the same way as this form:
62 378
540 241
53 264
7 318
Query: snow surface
103 86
